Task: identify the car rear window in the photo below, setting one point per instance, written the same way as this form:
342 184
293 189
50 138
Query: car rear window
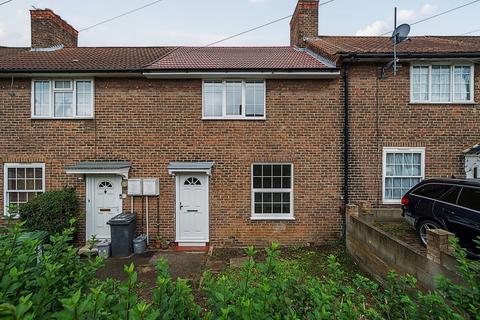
470 198
433 190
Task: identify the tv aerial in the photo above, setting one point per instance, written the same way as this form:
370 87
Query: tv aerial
400 34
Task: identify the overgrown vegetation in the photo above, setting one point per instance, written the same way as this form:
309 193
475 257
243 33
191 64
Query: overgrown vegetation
50 211
58 284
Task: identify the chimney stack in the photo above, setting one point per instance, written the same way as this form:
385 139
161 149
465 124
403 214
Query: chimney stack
49 30
304 23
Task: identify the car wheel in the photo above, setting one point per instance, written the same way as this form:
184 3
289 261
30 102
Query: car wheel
424 226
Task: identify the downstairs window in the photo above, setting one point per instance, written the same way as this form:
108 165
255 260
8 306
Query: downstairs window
22 182
403 168
272 191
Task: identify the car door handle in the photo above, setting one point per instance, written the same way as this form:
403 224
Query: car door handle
449 211
192 210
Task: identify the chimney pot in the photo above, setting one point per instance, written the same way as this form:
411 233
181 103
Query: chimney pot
48 30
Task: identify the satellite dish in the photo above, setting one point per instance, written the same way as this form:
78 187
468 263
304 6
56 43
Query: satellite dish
400 33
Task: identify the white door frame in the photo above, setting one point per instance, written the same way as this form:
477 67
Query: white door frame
90 202
178 178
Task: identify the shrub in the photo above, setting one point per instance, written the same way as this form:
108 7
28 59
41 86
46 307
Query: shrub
34 282
50 211
60 285
279 289
466 296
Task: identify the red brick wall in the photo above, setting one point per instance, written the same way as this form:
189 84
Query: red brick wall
49 29
445 130
304 22
153 122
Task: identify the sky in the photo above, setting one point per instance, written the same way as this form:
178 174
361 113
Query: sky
199 22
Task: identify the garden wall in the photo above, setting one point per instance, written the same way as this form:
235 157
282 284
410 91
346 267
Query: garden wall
377 252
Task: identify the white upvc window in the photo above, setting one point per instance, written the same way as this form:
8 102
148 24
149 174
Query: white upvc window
403 168
233 99
442 83
22 182
272 191
62 98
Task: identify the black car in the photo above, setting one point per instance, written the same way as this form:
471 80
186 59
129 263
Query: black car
450 204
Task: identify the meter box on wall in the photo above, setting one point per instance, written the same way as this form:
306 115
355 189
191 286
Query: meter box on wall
151 187
134 187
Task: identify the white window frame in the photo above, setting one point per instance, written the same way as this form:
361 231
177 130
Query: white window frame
272 216
386 150
7 166
224 100
452 84
51 114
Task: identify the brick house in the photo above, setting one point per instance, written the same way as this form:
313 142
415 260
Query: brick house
233 135
414 125
247 143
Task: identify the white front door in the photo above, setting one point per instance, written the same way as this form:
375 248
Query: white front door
105 202
192 209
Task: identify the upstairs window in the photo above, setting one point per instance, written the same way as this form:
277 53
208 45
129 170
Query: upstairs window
233 99
62 99
438 83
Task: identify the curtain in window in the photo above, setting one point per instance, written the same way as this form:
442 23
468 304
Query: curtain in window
440 83
41 98
213 98
462 79
402 172
420 83
84 98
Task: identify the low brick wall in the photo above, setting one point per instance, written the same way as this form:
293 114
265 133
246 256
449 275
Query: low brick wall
377 252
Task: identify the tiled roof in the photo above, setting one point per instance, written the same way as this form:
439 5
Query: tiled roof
333 46
239 58
80 59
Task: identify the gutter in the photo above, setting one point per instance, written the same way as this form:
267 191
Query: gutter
411 55
346 144
70 73
207 74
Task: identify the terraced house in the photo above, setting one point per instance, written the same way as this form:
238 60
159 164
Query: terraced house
233 145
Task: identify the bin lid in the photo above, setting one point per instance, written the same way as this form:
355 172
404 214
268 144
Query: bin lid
122 219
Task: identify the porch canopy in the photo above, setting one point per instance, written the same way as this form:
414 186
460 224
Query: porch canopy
198 167
120 168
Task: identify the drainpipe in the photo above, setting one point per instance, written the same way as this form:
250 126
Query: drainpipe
346 143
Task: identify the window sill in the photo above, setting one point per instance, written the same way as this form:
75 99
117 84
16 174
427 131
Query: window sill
273 218
393 202
62 118
440 103
234 119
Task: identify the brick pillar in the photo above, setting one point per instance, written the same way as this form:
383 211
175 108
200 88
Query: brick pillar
438 241
351 210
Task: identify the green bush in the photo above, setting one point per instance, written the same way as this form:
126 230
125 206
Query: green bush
36 281
279 289
60 285
50 211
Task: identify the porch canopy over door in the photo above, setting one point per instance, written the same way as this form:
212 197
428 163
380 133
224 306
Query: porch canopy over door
120 168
